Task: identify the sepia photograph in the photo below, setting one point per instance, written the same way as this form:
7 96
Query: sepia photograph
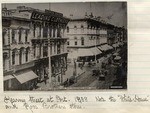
64 46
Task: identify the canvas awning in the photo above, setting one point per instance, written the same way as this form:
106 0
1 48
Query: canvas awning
8 77
105 47
85 52
26 76
88 51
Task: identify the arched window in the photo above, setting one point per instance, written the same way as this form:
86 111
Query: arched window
13 36
67 29
21 56
27 54
13 57
26 36
82 29
82 40
20 33
75 41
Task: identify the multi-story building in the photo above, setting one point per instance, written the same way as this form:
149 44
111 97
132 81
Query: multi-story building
17 61
116 35
34 47
87 38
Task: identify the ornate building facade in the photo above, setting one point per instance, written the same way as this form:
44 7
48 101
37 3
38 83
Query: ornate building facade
34 47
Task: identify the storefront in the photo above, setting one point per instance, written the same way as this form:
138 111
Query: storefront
59 67
27 79
105 49
88 54
41 69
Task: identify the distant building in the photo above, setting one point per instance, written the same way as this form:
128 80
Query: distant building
87 39
34 47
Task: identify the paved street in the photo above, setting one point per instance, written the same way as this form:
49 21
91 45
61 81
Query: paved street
85 79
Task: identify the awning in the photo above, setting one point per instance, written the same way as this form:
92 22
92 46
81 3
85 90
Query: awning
105 47
95 50
85 52
26 76
8 77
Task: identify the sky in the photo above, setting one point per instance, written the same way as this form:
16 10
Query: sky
117 11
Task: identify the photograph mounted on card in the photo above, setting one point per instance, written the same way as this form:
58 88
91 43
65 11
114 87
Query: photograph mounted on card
64 46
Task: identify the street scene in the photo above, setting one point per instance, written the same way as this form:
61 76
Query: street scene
64 46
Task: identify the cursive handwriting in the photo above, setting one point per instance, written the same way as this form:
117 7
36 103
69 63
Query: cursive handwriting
135 98
58 101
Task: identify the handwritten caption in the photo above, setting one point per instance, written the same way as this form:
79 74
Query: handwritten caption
65 102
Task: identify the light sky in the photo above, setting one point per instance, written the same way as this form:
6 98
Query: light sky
118 10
